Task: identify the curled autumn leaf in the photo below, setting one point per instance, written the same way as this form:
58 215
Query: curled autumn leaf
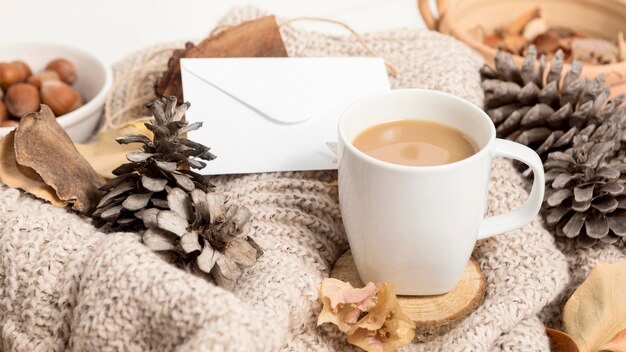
344 304
385 327
371 316
595 315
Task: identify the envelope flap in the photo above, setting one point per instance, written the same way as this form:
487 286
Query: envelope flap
273 86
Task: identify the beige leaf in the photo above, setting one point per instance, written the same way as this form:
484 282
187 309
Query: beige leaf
616 344
11 175
105 154
596 311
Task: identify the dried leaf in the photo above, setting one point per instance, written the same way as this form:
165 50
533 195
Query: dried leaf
385 327
105 154
43 145
560 341
257 38
343 304
11 175
596 311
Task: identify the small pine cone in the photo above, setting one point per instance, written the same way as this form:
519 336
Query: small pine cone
546 114
586 197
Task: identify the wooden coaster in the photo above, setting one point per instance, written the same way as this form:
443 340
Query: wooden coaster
432 315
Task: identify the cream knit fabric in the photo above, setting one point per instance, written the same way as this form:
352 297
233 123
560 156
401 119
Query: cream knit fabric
66 286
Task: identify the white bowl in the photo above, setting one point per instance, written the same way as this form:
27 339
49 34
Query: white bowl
93 82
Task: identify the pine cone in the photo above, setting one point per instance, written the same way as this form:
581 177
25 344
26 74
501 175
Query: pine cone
546 114
184 218
586 197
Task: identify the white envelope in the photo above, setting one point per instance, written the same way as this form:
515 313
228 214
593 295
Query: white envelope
274 114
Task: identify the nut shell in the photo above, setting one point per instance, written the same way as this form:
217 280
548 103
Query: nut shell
46 75
65 69
4 112
60 97
9 75
21 99
24 69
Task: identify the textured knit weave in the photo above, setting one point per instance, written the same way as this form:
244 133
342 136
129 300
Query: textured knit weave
64 285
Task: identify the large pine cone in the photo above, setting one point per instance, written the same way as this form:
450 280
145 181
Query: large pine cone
585 197
546 114
184 219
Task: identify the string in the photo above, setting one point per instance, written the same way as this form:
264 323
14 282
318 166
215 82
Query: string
390 68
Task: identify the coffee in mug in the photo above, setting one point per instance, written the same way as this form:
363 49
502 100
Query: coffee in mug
415 143
416 226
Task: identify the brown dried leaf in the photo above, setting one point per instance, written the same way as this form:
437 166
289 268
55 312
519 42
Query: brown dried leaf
257 38
596 311
12 175
42 144
560 341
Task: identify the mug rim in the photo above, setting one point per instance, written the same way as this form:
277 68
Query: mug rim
411 168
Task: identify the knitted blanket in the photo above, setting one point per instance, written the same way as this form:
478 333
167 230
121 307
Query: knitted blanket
66 286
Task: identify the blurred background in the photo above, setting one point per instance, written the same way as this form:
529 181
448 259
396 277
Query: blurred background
111 29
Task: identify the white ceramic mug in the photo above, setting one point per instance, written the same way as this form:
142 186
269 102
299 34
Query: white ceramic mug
416 226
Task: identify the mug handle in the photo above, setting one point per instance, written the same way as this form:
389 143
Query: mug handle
519 217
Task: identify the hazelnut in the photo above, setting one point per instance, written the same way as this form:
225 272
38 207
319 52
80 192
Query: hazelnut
65 69
24 69
60 97
4 113
47 75
9 75
21 99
